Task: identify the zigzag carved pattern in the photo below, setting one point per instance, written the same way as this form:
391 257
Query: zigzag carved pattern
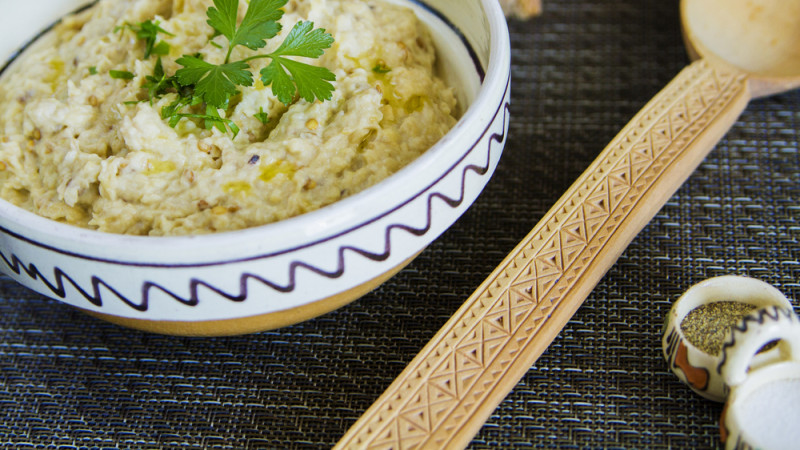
94 295
452 378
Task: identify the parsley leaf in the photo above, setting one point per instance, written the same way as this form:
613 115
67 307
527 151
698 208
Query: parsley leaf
381 68
214 83
259 24
305 40
171 113
309 81
148 30
222 17
211 119
158 83
121 74
282 85
306 80
162 48
262 116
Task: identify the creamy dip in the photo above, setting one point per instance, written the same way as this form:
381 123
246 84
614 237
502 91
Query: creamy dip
78 146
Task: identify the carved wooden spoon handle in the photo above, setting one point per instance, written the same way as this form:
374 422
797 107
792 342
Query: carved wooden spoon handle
455 383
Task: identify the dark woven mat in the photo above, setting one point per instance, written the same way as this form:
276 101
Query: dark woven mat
581 71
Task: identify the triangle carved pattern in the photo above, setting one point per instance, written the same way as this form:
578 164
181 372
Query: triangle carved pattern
455 374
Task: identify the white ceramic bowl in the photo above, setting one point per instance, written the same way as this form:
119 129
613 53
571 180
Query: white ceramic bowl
273 275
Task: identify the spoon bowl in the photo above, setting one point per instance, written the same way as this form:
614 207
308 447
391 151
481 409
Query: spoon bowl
757 37
742 49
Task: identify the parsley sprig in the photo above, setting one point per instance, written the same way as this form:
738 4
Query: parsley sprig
203 88
216 83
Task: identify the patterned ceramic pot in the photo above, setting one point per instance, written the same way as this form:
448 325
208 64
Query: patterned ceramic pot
278 274
697 368
763 404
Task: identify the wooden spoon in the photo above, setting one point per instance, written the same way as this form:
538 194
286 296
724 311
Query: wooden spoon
742 49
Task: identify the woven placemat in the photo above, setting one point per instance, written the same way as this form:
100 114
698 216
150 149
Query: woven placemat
580 72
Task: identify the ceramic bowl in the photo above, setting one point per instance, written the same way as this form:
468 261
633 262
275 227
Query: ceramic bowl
274 275
695 367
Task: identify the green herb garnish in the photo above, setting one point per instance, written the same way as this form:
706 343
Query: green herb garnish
210 119
216 83
158 83
307 80
203 86
120 74
381 67
93 70
262 116
148 31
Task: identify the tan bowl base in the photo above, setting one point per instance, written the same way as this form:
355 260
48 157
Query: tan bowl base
253 324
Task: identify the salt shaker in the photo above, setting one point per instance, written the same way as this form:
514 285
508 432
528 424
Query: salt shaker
763 403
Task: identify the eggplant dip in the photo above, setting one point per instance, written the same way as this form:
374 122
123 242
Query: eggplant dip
166 117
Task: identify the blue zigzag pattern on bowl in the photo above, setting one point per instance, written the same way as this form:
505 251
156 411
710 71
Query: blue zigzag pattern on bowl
95 296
